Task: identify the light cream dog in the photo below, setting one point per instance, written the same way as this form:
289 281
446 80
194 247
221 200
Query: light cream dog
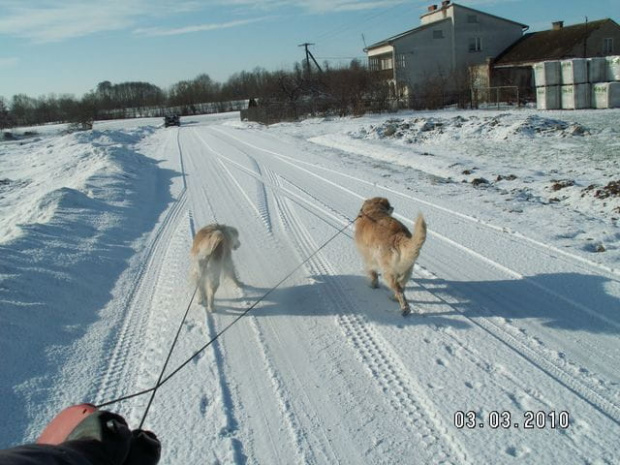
211 256
386 245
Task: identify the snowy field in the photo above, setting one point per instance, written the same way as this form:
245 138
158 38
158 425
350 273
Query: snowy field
511 354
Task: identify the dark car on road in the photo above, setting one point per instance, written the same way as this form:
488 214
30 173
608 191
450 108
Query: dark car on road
172 120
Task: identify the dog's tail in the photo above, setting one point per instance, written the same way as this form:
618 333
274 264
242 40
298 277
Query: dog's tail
210 247
203 251
417 240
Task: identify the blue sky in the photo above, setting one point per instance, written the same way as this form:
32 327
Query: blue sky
69 46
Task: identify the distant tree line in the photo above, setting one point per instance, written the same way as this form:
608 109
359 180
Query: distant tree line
344 90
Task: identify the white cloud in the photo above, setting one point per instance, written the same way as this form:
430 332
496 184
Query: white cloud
57 20
317 6
157 31
324 6
8 62
52 21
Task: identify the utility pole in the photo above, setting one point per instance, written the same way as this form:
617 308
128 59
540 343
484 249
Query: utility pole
308 56
585 41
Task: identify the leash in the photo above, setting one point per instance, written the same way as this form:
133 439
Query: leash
161 380
263 297
161 374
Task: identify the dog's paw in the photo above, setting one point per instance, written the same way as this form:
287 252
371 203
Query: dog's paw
404 311
235 281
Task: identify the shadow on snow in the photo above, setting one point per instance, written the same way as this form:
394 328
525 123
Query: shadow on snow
57 277
567 301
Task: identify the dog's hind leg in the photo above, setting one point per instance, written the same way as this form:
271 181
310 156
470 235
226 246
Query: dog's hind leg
212 284
373 276
231 274
202 297
198 276
392 281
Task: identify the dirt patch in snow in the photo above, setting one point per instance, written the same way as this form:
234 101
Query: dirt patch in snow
562 184
503 126
611 190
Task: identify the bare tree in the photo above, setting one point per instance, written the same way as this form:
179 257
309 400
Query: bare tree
6 119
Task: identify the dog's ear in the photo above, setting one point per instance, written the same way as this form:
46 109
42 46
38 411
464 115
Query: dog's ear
385 204
234 237
372 203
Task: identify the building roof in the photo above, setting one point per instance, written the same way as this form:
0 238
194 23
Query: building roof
525 26
406 33
554 44
433 24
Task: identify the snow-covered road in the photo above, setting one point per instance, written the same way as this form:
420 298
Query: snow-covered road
510 336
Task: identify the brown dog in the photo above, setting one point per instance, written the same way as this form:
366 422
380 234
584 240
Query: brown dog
386 245
212 258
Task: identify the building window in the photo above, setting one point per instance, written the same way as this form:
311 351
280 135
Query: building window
401 61
472 18
380 63
387 63
608 46
475 44
438 34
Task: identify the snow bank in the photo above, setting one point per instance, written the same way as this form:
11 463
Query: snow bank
520 154
516 288
72 211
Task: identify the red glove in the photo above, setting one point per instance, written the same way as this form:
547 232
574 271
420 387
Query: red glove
83 435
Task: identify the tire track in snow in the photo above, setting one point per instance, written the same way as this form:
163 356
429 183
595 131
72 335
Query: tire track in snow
532 354
249 345
308 202
261 192
168 297
115 381
261 207
274 182
608 406
260 210
538 358
282 194
220 411
610 274
303 446
382 364
504 381
153 312
179 404
304 449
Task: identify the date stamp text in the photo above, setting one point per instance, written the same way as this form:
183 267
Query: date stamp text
506 420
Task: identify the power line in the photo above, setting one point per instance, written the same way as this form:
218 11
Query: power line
353 23
342 58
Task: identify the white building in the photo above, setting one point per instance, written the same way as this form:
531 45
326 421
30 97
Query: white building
451 39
